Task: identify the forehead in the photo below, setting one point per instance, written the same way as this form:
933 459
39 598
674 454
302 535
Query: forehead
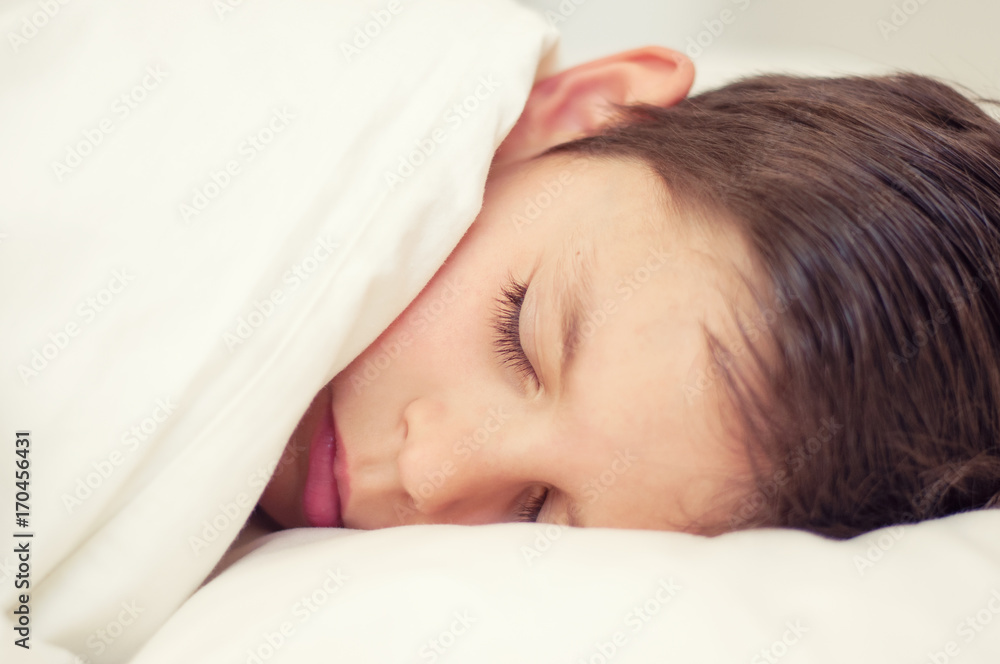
655 283
649 272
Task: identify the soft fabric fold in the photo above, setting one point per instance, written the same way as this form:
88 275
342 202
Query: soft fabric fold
210 209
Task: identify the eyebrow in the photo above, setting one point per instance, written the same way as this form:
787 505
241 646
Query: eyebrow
574 299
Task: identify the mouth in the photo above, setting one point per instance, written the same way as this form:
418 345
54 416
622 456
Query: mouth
321 497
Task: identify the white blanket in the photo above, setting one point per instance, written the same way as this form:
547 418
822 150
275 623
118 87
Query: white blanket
208 209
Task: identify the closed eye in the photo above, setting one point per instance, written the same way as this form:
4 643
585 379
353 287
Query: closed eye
506 324
529 510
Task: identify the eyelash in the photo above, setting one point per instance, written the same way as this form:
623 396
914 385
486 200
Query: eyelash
529 510
506 323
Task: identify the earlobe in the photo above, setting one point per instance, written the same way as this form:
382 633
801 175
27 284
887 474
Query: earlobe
579 101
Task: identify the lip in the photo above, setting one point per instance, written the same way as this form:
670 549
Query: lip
321 500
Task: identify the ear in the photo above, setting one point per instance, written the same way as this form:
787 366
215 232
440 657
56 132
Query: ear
577 102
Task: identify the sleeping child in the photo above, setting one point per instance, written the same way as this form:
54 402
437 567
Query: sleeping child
772 304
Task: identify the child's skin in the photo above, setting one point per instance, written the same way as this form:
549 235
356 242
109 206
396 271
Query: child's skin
446 433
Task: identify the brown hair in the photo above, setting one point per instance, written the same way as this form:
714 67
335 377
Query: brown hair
873 207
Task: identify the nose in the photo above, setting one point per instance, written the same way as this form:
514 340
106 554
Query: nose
458 464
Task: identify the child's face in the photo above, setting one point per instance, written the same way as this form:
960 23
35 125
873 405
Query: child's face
624 431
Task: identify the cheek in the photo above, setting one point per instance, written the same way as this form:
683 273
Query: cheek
444 333
436 329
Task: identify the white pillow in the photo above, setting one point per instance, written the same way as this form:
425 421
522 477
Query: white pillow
526 593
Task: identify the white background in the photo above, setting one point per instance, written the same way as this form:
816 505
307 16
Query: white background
952 39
